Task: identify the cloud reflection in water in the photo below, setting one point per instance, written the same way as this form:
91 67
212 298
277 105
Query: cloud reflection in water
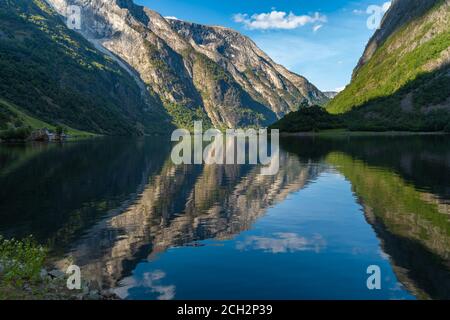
283 242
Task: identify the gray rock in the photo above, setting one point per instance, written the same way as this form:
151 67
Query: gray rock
94 285
52 286
108 294
94 295
79 296
43 274
58 274
85 290
26 287
251 79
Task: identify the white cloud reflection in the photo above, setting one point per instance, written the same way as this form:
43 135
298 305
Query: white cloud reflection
282 243
149 281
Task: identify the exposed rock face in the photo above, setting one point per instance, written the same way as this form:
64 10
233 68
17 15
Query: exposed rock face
197 71
331 94
265 80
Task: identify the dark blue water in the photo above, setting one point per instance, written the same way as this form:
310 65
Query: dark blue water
135 222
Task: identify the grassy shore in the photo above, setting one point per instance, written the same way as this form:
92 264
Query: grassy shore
24 276
345 132
28 121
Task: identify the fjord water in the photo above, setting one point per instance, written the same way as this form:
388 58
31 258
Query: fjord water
135 222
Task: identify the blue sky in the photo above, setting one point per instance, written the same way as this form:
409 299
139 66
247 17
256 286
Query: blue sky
319 39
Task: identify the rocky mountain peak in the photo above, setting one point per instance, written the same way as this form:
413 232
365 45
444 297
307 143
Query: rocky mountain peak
197 71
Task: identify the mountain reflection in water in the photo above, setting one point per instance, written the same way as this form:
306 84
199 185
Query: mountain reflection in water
126 215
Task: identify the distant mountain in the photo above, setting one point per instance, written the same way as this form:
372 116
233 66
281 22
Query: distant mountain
196 71
402 81
330 94
51 75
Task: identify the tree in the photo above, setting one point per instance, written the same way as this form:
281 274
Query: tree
60 130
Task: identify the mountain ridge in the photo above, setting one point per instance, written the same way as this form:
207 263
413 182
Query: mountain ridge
402 81
54 75
191 80
398 14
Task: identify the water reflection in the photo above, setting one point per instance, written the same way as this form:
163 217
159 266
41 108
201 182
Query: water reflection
282 242
179 206
131 219
151 282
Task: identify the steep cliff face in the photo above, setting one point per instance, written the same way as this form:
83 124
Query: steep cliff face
199 72
266 81
403 76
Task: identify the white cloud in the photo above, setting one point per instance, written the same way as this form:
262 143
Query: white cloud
277 20
317 27
340 89
171 18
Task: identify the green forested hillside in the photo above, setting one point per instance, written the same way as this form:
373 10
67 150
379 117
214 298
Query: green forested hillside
413 226
308 119
53 74
405 84
11 117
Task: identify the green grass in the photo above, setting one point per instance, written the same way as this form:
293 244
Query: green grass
21 261
20 275
396 89
184 117
34 123
308 119
389 70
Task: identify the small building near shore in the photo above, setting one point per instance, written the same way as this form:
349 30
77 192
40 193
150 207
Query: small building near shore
45 135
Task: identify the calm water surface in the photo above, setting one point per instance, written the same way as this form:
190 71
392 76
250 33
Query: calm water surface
135 222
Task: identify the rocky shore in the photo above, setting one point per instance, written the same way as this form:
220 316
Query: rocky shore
52 285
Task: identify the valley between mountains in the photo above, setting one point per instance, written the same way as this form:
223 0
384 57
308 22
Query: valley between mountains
130 71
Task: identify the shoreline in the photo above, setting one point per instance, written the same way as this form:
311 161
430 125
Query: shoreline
343 133
67 140
24 275
52 285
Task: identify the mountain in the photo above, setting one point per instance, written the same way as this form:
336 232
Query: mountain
52 75
402 81
198 72
330 94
